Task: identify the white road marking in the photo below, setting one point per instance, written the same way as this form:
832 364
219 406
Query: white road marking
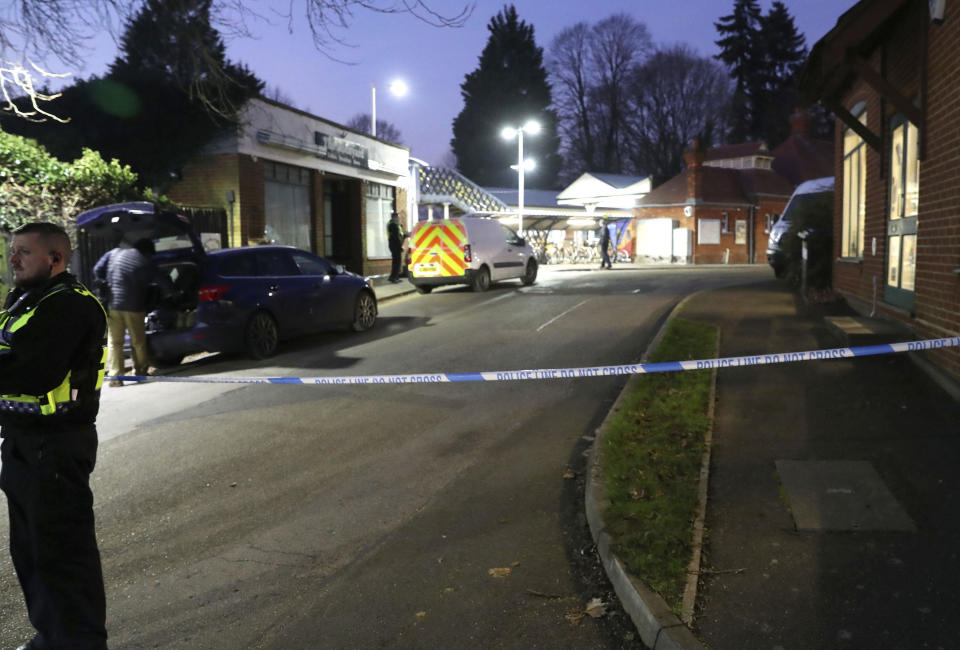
558 316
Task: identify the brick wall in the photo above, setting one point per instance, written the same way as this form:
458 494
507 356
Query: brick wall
937 299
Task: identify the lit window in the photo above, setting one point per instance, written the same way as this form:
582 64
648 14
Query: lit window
854 191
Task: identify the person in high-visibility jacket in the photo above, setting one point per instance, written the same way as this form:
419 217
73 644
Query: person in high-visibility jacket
52 356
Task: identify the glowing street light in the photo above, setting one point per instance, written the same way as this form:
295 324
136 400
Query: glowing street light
532 127
397 87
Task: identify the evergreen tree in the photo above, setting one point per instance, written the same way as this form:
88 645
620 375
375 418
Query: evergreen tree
168 94
764 54
739 45
508 88
784 52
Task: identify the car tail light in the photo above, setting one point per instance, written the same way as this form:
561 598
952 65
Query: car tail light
467 253
213 292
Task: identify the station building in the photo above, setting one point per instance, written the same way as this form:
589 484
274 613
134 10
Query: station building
284 176
888 70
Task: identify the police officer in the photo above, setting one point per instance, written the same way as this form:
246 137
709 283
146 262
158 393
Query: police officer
51 370
395 237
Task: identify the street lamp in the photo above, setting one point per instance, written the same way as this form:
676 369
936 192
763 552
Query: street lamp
532 127
397 87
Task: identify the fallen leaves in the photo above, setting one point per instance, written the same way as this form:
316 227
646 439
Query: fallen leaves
502 572
596 608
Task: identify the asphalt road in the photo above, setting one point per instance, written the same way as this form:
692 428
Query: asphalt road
285 516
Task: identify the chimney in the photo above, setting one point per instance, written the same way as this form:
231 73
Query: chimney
800 123
693 157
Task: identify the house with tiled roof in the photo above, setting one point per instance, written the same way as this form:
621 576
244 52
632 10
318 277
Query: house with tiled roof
721 208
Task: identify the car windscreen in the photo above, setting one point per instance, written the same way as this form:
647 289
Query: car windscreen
801 203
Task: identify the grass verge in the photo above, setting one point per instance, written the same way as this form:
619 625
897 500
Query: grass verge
651 463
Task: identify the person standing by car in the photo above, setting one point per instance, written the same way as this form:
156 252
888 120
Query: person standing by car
128 273
395 237
605 262
51 370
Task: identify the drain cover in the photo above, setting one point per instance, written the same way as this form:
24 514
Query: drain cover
840 495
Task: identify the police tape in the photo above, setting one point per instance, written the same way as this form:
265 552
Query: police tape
572 373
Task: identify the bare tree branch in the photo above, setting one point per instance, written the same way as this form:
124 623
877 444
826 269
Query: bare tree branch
41 29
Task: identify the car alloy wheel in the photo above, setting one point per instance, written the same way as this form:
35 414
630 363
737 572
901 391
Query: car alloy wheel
365 312
261 335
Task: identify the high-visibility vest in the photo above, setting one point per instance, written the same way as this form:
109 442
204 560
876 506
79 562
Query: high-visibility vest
61 398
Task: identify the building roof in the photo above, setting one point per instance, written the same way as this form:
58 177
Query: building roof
618 181
800 159
720 185
539 198
741 150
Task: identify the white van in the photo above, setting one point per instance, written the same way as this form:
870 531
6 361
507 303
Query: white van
806 193
468 250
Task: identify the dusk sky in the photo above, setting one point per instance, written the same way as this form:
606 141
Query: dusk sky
433 61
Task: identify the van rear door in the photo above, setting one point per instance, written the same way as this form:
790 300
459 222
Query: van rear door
436 249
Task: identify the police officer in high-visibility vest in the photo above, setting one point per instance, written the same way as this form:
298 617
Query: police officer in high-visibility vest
51 370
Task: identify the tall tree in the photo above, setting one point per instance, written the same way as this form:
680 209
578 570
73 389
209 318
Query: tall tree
783 51
764 54
159 105
591 68
740 50
675 96
508 88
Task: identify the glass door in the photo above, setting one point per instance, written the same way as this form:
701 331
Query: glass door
902 216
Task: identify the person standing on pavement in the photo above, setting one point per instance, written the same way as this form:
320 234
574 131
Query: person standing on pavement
51 370
395 237
605 262
128 274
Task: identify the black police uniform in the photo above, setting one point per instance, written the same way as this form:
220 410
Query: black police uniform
47 458
395 241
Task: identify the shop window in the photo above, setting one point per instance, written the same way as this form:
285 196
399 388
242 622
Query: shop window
854 189
379 203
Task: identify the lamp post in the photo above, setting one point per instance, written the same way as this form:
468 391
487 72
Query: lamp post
397 87
532 127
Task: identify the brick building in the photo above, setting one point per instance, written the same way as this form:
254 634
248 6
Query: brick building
721 207
889 71
288 177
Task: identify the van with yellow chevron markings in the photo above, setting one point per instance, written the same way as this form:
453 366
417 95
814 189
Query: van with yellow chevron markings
468 250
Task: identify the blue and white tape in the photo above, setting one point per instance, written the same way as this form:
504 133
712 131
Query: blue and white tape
572 373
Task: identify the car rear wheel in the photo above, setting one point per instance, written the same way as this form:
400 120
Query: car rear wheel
424 289
530 276
167 361
261 337
364 312
481 281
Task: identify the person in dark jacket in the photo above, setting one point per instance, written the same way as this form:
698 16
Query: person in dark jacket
395 237
129 273
51 369
605 262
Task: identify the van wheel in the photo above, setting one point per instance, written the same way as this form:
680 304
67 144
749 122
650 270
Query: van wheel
424 289
481 281
364 312
261 336
530 276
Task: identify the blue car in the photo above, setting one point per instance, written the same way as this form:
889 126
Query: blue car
228 300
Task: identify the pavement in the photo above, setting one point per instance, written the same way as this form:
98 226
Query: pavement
833 491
